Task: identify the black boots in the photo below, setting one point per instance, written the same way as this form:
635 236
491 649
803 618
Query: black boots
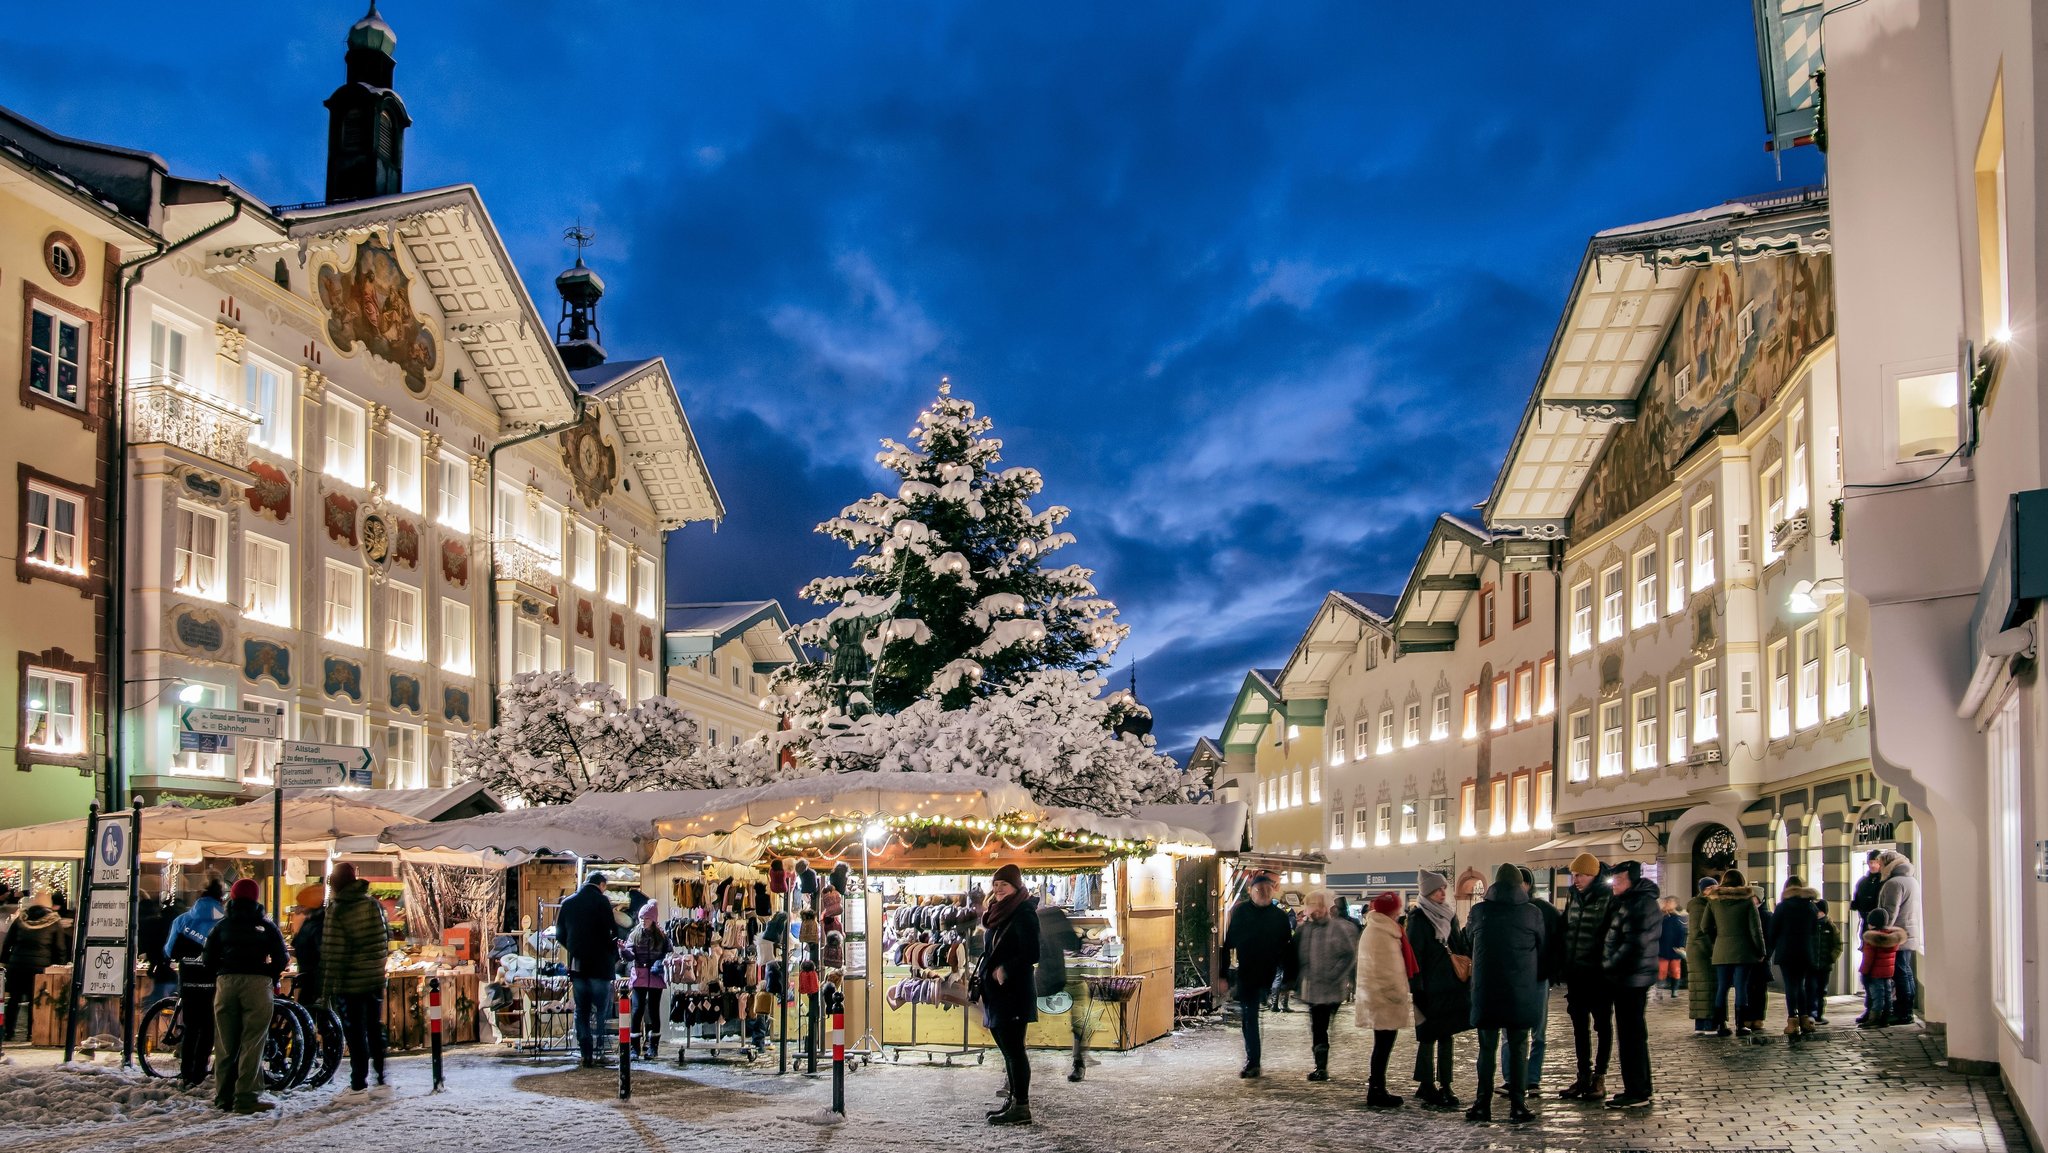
1322 1073
1080 1059
1015 1113
1377 1097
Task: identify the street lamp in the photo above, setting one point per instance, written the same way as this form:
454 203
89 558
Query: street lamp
192 694
1803 601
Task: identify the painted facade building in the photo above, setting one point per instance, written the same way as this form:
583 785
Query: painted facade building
1935 139
1682 444
1273 758
64 235
365 487
720 656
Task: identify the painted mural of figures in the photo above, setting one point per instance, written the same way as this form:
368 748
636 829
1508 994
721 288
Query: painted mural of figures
371 304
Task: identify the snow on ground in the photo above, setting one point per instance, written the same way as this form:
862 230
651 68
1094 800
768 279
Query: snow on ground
53 1101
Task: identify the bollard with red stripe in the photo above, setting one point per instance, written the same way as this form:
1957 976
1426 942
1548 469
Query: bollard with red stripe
434 1026
625 1045
838 1003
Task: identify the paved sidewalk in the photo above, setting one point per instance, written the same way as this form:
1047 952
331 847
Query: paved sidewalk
1842 1090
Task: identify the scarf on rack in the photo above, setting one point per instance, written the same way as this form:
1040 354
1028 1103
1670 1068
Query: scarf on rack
1440 916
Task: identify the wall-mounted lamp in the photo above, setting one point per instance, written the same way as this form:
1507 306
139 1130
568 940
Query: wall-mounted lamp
1803 600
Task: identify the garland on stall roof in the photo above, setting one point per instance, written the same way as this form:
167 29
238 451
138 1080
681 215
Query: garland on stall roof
1018 834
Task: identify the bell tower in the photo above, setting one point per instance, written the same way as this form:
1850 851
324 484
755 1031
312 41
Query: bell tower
366 121
576 334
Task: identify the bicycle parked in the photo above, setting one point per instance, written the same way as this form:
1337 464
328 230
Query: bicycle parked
301 1050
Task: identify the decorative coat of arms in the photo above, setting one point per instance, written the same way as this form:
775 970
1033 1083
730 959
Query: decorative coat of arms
371 303
272 491
592 464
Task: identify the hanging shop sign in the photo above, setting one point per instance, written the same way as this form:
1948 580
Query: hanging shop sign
1874 826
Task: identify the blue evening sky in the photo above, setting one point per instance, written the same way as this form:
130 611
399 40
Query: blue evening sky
1261 287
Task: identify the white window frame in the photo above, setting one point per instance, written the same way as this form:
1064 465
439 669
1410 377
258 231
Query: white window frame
1411 726
43 541
1439 818
1546 784
1501 693
1806 701
1648 751
1518 803
2010 868
1315 784
458 639
266 596
344 432
1770 487
334 727
341 593
1613 601
196 571
405 631
191 764
1798 486
583 557
1582 616
256 758
545 527
615 577
1340 739
1409 820
550 652
402 467
615 676
1703 574
452 507
79 363
1780 668
1386 742
1940 380
404 766
1646 607
274 434
643 685
1675 581
1580 751
1383 823
45 726
582 664
1362 738
1841 665
1546 686
1612 741
1678 722
169 334
645 602
1468 809
1525 695
1471 730
1440 717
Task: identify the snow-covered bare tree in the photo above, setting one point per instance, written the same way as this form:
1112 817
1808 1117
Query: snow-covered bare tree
557 738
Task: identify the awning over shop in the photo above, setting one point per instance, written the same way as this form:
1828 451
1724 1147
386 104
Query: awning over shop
1558 852
312 826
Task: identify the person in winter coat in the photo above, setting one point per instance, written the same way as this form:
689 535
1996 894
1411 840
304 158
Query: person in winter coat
1635 932
1699 961
1735 932
1508 946
35 941
648 945
183 948
1326 950
1383 1003
1671 949
1881 945
151 935
306 940
1760 974
1260 938
588 930
1868 886
246 955
1793 942
1586 994
1007 986
1827 949
1057 938
1443 999
1900 900
1549 972
353 944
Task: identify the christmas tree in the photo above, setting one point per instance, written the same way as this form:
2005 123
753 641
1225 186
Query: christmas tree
953 595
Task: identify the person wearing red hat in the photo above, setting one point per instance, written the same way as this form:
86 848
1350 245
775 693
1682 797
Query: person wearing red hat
246 955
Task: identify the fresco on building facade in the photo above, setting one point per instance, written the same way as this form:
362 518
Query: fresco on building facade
1740 334
371 303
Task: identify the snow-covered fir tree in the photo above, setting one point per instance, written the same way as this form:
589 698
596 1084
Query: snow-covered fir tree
557 738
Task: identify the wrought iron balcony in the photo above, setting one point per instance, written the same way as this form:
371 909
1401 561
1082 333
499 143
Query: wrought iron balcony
166 413
521 561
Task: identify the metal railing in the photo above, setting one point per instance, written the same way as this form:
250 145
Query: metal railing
166 413
521 561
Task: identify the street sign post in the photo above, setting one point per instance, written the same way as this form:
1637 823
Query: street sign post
109 865
350 757
310 776
103 955
107 921
266 726
311 761
106 970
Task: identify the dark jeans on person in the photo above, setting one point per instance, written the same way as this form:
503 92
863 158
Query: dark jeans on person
20 996
1382 1049
1798 983
1877 998
1590 1002
1816 993
1009 1038
1515 1044
647 1020
1319 1026
362 1030
1537 1038
195 1051
1248 1020
1632 1038
1906 984
1728 977
1433 1062
593 1008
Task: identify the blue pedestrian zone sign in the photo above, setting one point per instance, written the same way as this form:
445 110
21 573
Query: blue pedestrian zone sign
110 852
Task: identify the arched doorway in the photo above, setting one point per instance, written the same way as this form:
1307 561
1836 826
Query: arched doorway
1713 852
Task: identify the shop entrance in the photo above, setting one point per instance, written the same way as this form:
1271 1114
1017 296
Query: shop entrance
1713 852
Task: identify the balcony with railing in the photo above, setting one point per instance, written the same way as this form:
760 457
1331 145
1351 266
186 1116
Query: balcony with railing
522 561
178 415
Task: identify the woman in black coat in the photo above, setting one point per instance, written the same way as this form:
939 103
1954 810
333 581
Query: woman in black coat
1792 939
1006 985
1508 943
1443 1003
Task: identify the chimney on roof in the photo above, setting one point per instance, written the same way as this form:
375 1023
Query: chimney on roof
576 334
366 121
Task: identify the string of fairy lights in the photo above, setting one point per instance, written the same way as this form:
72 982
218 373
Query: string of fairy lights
1017 834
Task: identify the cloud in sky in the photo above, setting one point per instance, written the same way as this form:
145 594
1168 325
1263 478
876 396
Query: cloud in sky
1261 288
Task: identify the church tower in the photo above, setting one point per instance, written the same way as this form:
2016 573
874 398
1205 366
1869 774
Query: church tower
366 120
576 334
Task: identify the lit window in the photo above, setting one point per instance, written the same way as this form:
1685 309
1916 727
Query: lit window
1927 415
1362 738
525 646
2009 865
1703 544
1706 695
455 644
1781 691
51 519
1611 598
615 573
1471 714
643 685
56 355
257 757
615 675
1497 808
1993 224
1499 719
1546 686
1337 828
50 712
1525 695
1383 824
1809 677
1359 818
267 393
1468 810
1582 616
545 527
1581 746
1646 730
167 340
201 568
1440 717
645 590
454 488
583 663
1412 734
1315 784
1646 588
266 580
402 618
1294 779
344 423
402 766
1486 614
1439 811
1386 744
1338 744
1839 664
583 557
1674 585
1679 727
344 603
402 468
1771 488
1518 805
332 729
1795 462
551 653
1545 785
1409 820
1611 739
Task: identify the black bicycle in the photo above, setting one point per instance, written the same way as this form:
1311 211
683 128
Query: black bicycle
302 1048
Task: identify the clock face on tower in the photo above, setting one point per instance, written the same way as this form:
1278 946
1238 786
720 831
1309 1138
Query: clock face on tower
592 463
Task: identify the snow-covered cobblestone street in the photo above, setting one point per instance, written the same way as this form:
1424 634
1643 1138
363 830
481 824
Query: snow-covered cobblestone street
1843 1090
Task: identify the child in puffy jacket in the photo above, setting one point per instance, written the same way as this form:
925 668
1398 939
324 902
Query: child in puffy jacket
648 947
1880 964
1671 950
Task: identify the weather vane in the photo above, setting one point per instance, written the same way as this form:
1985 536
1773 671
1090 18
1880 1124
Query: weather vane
579 236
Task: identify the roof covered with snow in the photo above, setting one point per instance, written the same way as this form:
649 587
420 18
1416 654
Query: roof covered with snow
693 631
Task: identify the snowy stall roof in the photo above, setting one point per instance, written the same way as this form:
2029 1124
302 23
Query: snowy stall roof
422 804
1221 826
311 825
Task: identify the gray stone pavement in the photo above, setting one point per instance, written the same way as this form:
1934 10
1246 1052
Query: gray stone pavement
1843 1090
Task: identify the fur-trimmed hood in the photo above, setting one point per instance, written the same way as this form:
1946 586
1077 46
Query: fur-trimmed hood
1732 893
1884 938
1899 868
1801 891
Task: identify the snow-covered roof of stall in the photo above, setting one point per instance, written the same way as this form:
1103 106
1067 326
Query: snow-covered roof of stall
1221 826
421 804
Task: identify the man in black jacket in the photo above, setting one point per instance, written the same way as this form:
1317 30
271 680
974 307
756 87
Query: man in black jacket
1868 886
1586 994
246 955
1262 941
1549 971
589 932
1635 929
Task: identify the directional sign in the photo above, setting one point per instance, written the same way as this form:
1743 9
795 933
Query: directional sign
301 776
191 742
110 852
105 970
309 753
107 920
266 725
